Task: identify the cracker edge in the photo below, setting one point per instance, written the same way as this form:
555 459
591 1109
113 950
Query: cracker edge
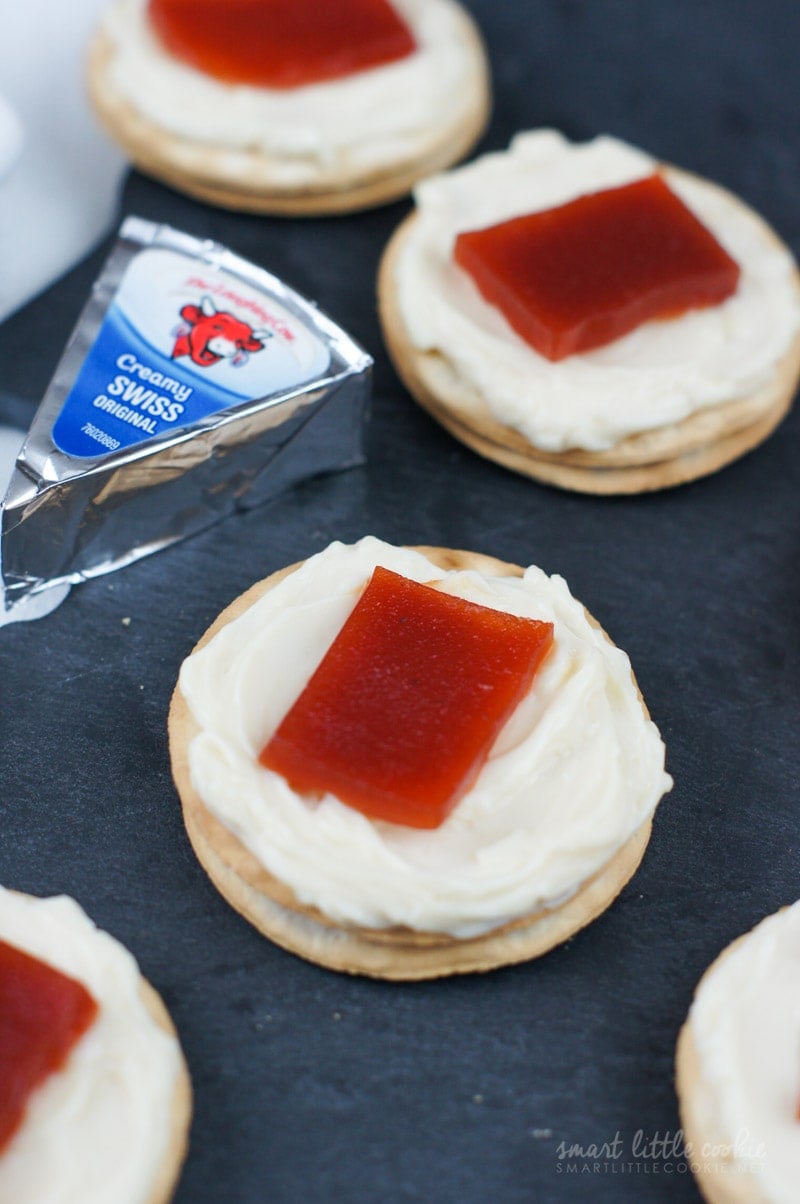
182 1107
399 953
702 443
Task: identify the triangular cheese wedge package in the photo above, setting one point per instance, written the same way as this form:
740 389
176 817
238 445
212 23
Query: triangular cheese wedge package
194 384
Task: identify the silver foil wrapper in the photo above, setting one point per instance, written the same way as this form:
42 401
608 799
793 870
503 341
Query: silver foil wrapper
77 506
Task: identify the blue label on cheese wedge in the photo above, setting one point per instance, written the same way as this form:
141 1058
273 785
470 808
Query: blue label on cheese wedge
178 342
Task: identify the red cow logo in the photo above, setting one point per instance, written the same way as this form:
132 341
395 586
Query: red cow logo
209 335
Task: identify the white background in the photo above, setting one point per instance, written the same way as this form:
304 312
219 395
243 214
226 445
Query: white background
58 195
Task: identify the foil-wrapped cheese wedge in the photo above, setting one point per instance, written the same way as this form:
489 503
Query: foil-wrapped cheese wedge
194 384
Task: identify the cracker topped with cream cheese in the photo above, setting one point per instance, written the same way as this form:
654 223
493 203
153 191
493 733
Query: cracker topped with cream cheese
676 397
308 141
546 835
738 1070
110 1121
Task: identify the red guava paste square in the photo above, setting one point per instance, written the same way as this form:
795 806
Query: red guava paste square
583 274
281 43
403 710
42 1015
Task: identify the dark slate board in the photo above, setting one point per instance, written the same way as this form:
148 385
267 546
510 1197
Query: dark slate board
312 1086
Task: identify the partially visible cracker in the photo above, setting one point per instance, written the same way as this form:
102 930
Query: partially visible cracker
711 1159
395 953
250 180
659 458
177 1144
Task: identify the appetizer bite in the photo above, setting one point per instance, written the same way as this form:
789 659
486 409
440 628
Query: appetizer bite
301 108
589 317
738 1071
96 1098
414 762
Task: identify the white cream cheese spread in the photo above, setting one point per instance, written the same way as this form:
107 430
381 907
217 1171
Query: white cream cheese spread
574 773
656 375
97 1131
745 1025
363 122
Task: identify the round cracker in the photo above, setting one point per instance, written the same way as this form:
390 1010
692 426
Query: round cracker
398 953
674 454
249 179
181 1112
720 1180
717 1185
